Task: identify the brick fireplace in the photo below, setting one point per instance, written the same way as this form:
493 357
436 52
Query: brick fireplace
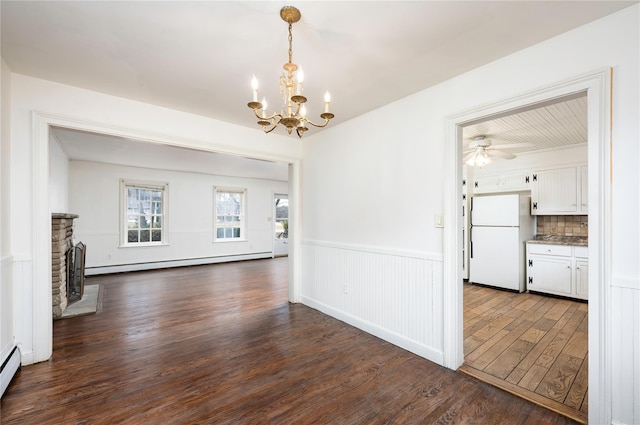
61 246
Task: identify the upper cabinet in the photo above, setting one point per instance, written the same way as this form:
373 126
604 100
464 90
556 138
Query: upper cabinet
493 183
559 191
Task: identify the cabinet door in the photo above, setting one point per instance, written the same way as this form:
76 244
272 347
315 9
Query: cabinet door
514 182
549 274
582 279
584 189
555 191
486 184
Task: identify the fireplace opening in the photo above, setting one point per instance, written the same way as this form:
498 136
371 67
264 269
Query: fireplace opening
75 257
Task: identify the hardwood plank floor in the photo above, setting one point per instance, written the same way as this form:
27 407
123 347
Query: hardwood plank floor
220 344
531 345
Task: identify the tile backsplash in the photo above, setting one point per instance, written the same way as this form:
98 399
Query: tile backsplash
562 225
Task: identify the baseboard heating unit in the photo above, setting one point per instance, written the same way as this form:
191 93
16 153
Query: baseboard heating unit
9 368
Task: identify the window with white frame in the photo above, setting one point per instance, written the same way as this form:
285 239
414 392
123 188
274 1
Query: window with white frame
229 220
144 213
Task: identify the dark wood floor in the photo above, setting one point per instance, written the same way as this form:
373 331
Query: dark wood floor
220 344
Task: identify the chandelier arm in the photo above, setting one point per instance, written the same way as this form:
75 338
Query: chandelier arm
326 121
270 117
275 124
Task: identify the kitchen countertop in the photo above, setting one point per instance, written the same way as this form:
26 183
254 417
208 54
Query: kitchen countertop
560 240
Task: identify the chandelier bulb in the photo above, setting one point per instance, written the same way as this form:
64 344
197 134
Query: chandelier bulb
254 86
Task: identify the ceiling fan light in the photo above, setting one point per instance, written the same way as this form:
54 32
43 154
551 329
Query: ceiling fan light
479 159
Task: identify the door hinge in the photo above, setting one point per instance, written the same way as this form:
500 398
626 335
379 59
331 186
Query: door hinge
475 184
530 280
526 179
535 177
464 196
464 182
530 263
535 205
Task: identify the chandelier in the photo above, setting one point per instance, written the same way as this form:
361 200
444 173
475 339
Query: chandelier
293 113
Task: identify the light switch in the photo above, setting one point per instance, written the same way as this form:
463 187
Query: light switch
438 221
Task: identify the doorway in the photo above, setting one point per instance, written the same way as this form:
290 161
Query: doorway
522 339
281 225
42 123
597 85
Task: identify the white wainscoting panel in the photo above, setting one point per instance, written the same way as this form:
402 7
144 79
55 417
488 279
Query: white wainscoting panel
625 348
6 308
395 295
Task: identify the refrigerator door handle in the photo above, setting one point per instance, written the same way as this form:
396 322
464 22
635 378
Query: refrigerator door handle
470 242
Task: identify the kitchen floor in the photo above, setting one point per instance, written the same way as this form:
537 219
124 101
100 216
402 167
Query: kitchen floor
531 345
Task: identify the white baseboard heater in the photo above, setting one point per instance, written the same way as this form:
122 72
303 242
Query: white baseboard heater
9 368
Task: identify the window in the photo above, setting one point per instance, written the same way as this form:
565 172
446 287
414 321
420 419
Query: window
282 217
144 214
229 214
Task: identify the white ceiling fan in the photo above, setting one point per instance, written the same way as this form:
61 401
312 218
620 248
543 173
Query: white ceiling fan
480 150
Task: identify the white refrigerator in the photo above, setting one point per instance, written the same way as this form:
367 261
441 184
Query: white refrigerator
500 225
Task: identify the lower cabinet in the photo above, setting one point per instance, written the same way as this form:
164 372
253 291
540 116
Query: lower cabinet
558 269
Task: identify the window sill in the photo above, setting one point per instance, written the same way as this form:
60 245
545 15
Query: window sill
229 240
143 245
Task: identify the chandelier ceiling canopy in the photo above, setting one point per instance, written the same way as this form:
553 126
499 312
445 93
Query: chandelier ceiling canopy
293 113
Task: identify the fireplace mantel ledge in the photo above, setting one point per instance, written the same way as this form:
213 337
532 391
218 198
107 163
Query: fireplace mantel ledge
64 215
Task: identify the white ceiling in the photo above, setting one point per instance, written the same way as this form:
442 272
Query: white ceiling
199 56
552 125
83 146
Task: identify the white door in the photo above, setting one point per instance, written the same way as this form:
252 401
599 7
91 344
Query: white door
496 210
495 257
281 225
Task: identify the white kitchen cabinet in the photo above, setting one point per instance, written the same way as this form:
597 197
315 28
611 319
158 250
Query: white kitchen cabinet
486 184
559 191
558 269
496 183
582 279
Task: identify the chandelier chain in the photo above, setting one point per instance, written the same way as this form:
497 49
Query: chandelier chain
290 44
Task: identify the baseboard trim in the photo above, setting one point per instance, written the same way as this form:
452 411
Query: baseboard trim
121 268
373 329
9 368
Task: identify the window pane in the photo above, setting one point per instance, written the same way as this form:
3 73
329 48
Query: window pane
144 221
132 236
220 233
132 222
145 236
156 222
236 232
228 232
156 235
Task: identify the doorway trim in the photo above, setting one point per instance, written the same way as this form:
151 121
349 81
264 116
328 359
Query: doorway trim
597 85
42 320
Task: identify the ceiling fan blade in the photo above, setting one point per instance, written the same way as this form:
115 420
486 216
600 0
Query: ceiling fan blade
505 155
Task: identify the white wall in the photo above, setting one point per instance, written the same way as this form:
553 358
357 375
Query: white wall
95 197
58 177
6 283
386 183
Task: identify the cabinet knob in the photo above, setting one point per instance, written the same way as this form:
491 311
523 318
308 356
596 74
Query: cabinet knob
568 267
